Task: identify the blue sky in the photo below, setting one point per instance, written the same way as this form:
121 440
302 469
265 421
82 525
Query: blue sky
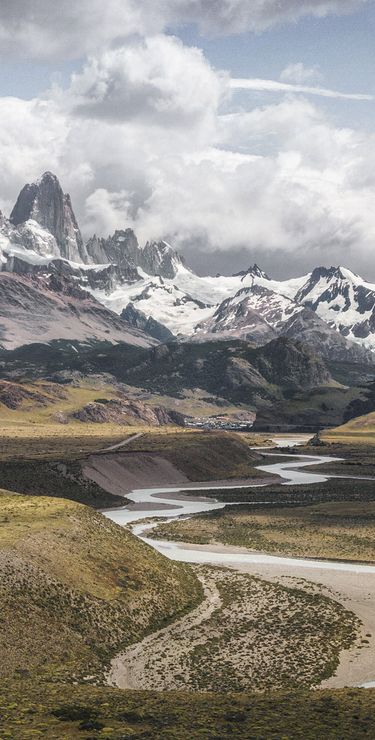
342 47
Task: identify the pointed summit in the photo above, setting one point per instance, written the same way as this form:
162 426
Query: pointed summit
255 270
159 258
45 202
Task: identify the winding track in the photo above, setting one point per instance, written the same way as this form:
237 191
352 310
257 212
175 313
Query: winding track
128 669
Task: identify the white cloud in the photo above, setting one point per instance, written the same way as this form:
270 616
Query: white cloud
300 74
274 86
43 29
139 141
236 16
158 81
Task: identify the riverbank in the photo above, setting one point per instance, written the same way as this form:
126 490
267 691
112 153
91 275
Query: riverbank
239 638
349 584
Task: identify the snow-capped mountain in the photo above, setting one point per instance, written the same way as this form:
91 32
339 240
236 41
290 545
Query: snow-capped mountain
342 299
260 314
331 308
255 312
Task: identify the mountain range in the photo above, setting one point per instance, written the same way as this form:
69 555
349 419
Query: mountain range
114 288
299 353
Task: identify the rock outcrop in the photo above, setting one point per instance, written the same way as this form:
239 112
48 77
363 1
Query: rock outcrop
45 203
43 308
148 325
125 411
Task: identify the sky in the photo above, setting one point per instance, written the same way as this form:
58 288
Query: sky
239 130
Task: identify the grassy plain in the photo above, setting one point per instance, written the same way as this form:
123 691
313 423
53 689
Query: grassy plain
62 712
333 530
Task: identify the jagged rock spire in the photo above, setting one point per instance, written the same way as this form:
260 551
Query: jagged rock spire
45 202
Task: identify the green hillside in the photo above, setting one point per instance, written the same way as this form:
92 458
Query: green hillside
76 588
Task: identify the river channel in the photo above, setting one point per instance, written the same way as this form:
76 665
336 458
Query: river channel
352 583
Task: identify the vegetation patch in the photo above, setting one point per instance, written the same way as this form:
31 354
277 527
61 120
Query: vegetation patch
57 442
249 634
61 479
331 530
357 431
203 455
75 587
83 712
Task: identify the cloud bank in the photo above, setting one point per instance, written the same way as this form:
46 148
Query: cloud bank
278 177
149 135
45 29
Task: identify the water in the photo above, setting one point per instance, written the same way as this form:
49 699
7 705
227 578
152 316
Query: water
292 473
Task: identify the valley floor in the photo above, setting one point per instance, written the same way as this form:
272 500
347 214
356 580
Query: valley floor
334 531
276 630
352 590
247 634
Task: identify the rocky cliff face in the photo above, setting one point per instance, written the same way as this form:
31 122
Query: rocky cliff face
45 203
158 258
126 412
344 300
43 308
290 364
140 321
121 248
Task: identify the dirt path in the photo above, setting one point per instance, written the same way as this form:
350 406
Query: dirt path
237 639
129 669
121 444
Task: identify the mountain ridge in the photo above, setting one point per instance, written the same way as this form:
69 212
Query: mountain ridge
331 309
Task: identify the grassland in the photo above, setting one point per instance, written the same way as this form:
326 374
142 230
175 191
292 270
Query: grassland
356 460
333 530
202 456
75 588
61 712
59 441
358 431
41 402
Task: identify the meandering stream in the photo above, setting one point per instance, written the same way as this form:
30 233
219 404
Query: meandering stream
175 505
354 581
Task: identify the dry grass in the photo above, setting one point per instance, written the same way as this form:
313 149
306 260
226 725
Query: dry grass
82 712
248 634
334 530
202 455
55 442
75 587
54 399
360 430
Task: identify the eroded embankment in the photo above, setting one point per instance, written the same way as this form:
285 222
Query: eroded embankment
122 472
349 584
